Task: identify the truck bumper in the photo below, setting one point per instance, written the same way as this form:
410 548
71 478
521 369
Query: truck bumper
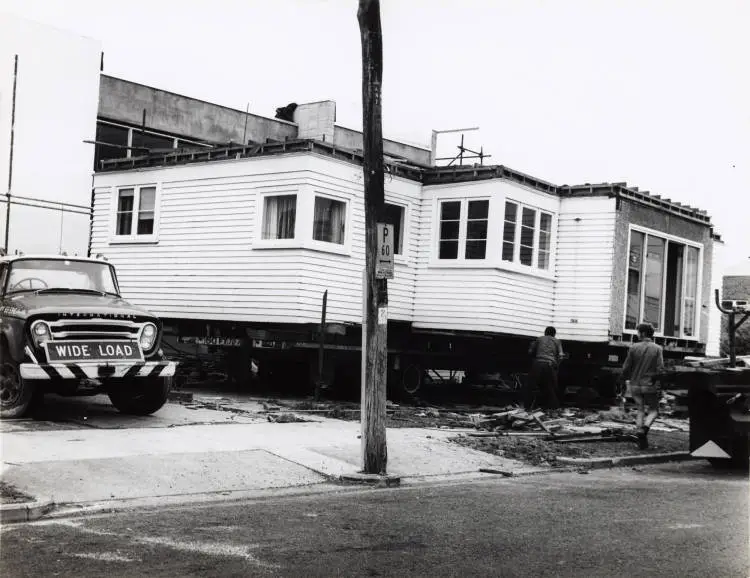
119 370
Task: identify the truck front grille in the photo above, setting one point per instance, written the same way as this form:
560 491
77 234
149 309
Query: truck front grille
83 329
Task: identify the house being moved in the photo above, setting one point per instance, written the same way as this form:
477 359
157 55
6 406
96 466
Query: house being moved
234 246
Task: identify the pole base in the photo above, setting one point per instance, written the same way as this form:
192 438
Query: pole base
376 480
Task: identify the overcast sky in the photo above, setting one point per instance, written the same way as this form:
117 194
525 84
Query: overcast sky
655 93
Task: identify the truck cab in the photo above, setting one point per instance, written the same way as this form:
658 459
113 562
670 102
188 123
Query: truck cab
65 329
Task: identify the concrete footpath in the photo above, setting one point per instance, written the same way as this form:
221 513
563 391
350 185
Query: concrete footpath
93 455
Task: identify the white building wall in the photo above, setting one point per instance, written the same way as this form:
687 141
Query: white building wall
489 295
56 102
585 256
209 261
718 267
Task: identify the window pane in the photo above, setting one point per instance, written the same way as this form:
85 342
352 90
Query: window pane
329 220
691 291
449 230
451 210
543 259
545 236
528 217
652 303
279 217
394 215
673 296
635 270
527 236
528 221
125 201
544 241
476 229
526 255
146 211
448 250
545 222
478 209
148 198
509 231
476 249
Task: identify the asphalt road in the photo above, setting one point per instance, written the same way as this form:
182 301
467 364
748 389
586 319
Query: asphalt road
667 520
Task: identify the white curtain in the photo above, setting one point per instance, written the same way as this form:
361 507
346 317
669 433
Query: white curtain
329 221
279 217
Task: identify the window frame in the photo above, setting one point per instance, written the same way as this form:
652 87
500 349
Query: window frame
294 242
516 263
647 232
134 237
326 246
402 256
463 221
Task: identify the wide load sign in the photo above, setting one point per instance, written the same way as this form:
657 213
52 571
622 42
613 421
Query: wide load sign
93 351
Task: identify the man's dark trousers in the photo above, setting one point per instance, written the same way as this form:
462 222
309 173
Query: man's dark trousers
542 379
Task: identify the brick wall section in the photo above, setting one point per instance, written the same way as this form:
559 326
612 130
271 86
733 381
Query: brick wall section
636 214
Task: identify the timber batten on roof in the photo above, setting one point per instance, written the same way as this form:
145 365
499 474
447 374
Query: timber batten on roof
426 175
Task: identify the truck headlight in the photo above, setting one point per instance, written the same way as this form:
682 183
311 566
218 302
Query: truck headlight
40 333
148 337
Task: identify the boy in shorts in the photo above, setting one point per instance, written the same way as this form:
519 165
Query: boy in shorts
645 359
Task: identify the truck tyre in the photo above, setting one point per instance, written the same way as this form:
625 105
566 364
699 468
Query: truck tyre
140 396
16 393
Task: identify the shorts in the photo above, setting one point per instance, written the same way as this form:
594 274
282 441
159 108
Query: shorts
649 398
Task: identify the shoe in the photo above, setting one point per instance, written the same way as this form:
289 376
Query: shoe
642 441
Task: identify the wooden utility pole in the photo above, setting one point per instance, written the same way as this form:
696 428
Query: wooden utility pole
375 335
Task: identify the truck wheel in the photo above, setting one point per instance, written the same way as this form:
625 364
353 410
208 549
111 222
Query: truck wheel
140 396
16 392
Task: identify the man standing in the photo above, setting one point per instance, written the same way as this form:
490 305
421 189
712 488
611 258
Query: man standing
546 352
645 359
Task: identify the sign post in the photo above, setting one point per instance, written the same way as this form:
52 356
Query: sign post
384 264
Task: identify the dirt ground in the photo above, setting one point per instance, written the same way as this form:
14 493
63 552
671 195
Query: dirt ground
507 430
540 452
10 495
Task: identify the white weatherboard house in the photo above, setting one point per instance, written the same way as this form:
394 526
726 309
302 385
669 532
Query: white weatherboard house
249 238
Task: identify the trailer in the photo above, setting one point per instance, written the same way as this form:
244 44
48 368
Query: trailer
236 249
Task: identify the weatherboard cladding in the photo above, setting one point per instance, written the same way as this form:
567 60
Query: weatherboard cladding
205 264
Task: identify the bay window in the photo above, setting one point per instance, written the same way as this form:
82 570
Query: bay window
662 284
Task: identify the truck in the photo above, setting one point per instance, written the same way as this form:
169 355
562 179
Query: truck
65 329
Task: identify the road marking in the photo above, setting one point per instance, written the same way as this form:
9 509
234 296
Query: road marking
196 547
104 557
685 526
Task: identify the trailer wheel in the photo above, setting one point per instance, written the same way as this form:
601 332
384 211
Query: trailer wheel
411 378
141 396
